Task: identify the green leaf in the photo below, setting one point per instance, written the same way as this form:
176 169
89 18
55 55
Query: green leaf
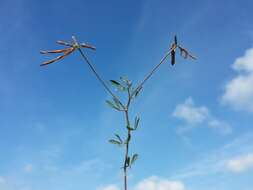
112 105
119 138
114 82
137 91
114 142
136 122
117 85
134 158
117 103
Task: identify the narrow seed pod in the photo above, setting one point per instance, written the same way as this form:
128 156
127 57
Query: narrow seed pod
71 48
173 57
175 39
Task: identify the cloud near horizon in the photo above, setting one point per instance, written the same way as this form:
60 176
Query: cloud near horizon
152 183
156 183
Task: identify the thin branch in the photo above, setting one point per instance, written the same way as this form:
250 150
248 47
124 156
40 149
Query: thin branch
98 76
153 70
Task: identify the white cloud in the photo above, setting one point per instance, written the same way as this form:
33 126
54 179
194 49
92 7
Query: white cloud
222 126
239 92
241 163
195 115
245 63
156 183
28 168
152 183
190 113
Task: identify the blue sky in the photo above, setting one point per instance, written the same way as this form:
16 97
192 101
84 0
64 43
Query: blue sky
195 131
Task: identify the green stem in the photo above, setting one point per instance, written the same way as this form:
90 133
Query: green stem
126 163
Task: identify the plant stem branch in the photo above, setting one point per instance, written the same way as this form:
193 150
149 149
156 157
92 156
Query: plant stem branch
127 161
154 70
98 76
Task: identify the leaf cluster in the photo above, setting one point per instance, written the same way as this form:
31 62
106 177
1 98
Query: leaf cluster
125 86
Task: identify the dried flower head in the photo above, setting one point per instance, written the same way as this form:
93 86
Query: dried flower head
71 47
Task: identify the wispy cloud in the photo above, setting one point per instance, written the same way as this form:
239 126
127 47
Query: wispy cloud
238 91
194 116
218 160
89 166
241 163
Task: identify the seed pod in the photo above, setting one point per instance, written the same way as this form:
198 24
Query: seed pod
175 39
87 46
173 56
69 51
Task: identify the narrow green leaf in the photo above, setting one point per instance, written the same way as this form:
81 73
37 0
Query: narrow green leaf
117 85
114 142
119 138
112 105
137 91
114 82
136 122
134 158
117 103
